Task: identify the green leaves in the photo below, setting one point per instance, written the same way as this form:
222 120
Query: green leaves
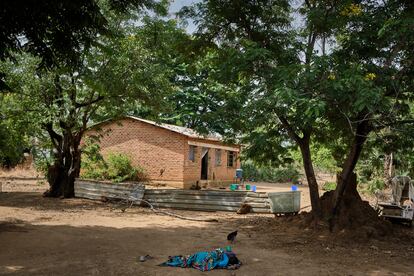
341 67
14 141
119 75
116 167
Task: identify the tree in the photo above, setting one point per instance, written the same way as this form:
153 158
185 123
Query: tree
373 49
58 31
14 142
62 101
336 94
259 52
200 100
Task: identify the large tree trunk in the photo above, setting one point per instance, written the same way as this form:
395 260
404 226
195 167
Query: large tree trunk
304 145
304 141
347 175
351 186
311 178
66 169
55 177
66 142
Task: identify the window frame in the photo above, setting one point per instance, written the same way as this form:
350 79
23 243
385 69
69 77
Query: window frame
231 154
192 153
218 162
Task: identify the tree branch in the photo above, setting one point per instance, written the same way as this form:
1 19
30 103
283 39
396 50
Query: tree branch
289 129
394 52
402 122
310 47
99 98
54 136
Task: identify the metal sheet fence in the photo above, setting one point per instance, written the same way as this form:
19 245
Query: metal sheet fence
203 200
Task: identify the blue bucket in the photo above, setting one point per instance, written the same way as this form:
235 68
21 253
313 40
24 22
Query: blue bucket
253 188
239 173
294 188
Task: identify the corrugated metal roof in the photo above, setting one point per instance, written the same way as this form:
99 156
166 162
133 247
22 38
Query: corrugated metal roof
179 129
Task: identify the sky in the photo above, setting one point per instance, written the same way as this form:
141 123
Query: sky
176 5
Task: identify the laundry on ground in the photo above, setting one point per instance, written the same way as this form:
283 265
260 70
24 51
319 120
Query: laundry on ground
205 260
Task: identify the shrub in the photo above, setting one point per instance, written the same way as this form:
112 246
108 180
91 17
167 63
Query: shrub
269 173
13 143
120 168
322 158
250 171
329 186
93 164
375 185
42 164
116 167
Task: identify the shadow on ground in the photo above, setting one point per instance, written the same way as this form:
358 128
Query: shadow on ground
66 250
63 247
37 201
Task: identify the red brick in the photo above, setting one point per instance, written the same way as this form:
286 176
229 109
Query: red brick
155 149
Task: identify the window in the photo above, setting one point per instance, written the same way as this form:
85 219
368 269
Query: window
191 153
218 157
231 156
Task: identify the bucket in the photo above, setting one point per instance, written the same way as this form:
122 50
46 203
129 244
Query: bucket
234 187
294 188
247 187
239 173
253 188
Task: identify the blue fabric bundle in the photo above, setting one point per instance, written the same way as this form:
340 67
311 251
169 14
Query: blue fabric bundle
203 261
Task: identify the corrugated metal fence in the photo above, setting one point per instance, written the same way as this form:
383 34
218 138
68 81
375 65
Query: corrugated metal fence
92 189
202 200
207 200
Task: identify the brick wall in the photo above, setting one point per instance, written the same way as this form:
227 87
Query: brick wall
192 170
222 171
217 174
157 150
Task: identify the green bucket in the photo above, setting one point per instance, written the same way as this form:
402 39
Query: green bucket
247 187
232 187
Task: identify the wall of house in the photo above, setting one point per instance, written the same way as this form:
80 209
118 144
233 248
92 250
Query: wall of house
218 174
192 169
221 171
159 151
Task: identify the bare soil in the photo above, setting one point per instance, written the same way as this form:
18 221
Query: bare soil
44 236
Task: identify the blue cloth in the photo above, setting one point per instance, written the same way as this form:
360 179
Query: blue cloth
203 261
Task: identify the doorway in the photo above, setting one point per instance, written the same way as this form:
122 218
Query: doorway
204 167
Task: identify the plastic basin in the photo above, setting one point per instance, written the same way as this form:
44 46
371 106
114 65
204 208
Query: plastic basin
284 202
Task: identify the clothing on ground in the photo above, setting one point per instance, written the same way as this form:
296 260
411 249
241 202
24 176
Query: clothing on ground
203 261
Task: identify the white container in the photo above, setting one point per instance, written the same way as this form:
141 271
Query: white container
284 202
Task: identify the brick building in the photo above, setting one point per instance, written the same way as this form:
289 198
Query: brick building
172 155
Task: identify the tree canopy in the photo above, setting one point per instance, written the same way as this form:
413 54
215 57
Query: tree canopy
339 75
275 75
59 31
60 101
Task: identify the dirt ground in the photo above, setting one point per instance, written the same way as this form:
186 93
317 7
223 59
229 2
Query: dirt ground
43 236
